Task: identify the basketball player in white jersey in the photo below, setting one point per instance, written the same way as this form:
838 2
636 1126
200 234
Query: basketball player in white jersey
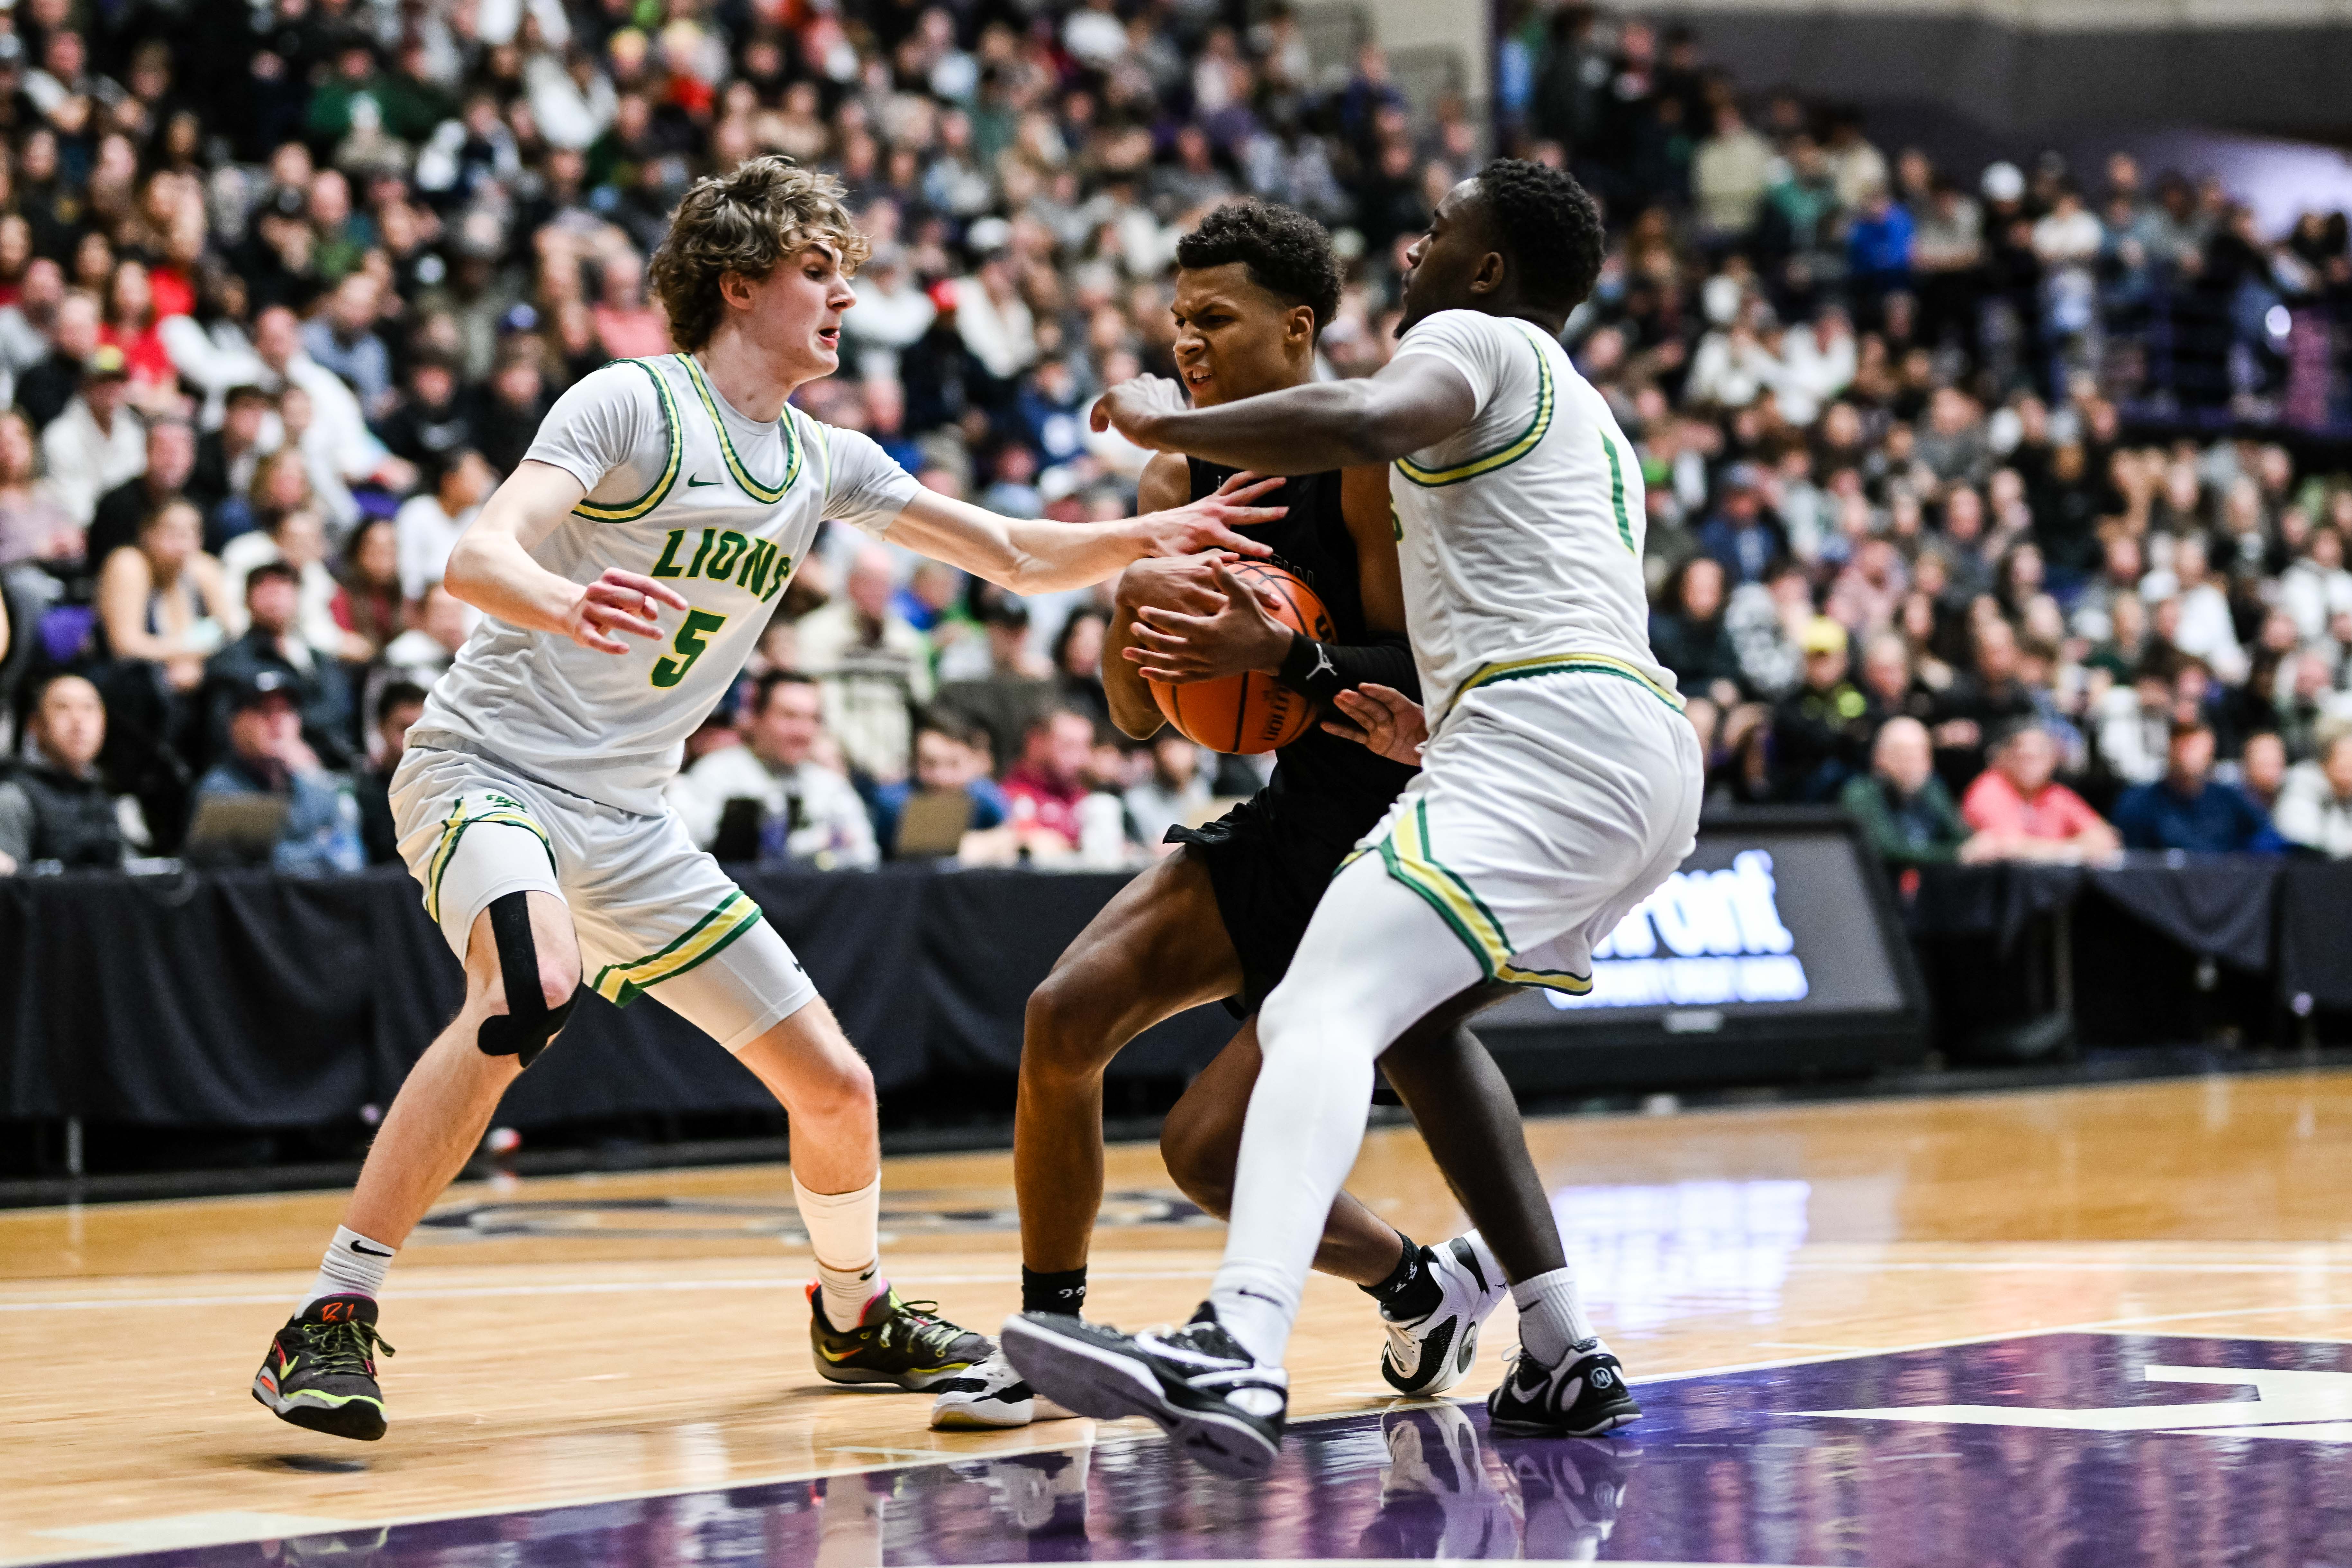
1560 784
626 569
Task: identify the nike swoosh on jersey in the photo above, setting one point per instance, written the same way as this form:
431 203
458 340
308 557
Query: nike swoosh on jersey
690 483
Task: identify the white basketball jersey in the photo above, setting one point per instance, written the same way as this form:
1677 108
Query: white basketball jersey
680 487
1521 535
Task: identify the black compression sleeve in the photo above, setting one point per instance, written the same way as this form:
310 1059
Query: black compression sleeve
1324 670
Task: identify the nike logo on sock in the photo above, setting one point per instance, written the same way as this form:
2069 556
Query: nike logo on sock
366 1251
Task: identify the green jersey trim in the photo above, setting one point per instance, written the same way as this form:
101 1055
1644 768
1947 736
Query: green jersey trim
1502 457
628 511
769 494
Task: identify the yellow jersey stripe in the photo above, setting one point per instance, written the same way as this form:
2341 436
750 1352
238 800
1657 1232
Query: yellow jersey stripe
752 486
629 510
624 983
1504 456
1564 664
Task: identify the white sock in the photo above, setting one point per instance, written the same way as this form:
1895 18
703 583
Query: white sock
354 1265
1551 1316
1375 959
845 1232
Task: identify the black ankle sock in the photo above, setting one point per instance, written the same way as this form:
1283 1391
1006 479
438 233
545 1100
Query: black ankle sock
1410 1290
1062 1292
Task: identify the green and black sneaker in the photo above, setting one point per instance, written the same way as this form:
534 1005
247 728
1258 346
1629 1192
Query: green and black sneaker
905 1343
320 1369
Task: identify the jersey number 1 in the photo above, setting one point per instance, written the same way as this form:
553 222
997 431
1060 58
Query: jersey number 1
692 639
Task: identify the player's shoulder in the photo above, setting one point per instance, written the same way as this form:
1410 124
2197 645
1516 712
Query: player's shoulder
618 386
1461 326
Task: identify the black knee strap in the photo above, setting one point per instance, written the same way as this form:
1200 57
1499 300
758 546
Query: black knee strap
528 1023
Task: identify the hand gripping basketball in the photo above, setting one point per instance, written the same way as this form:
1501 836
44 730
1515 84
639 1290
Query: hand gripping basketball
1248 710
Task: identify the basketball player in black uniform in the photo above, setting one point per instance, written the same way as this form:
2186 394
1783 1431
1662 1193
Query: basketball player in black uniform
1221 916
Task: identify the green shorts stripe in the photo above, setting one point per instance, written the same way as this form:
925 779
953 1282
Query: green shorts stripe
622 984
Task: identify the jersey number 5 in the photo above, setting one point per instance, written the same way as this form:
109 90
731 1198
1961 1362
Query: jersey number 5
687 645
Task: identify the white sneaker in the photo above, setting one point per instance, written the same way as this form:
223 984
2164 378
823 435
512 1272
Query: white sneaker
1038 1494
1430 1355
988 1396
1437 1498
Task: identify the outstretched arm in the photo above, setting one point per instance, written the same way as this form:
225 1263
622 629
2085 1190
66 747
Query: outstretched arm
1036 557
491 568
1414 402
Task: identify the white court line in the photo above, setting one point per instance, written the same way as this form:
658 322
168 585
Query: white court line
579 1288
749 1282
1123 1438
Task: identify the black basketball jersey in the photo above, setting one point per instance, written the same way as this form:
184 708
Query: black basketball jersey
1340 782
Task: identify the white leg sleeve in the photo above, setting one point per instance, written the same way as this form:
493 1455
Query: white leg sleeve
1375 960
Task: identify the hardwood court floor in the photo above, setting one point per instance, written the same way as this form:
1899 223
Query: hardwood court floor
593 1338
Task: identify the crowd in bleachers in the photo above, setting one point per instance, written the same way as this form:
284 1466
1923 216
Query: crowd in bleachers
281 298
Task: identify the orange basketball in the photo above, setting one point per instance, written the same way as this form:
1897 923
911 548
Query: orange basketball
1253 711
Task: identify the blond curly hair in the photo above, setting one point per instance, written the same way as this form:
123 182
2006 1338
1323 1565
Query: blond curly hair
746 222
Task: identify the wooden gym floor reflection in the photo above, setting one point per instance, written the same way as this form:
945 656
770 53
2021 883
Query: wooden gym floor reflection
585 1339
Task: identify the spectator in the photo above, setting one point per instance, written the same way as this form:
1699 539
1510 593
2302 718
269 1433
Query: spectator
2315 808
171 461
2019 812
429 521
1982 703
34 525
1743 536
226 457
1077 665
1821 732
433 422
129 329
951 756
266 756
273 644
1906 812
2262 769
368 603
337 431
1011 684
396 710
298 542
1176 793
56 805
44 390
1047 786
342 338
2188 808
1689 637
872 665
95 443
162 609
423 654
802 812
1729 174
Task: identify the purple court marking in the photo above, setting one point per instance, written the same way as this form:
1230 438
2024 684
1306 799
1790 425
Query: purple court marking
2049 1452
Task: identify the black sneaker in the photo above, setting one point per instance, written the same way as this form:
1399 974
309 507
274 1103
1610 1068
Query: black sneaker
1196 1383
1569 1494
1583 1397
904 1343
320 1369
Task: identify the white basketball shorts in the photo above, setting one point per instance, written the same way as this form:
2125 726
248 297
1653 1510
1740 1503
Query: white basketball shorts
653 914
1548 804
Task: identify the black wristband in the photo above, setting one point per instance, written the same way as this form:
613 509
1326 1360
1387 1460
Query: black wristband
1321 670
1309 669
